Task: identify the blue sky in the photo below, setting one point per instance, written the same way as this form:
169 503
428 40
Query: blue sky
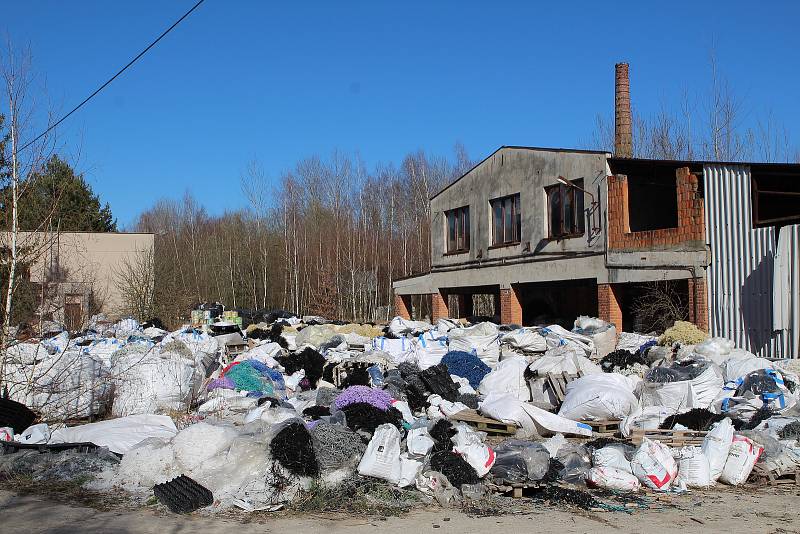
279 81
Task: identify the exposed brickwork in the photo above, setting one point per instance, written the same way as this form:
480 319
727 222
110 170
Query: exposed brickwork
608 307
691 221
510 307
402 306
698 303
439 306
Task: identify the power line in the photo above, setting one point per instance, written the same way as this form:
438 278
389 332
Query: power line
123 69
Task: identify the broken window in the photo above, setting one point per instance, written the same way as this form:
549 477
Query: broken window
458 230
506 220
565 210
776 199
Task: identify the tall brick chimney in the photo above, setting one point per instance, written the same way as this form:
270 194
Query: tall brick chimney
623 136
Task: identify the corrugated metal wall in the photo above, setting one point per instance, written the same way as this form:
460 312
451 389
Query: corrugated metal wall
786 292
740 277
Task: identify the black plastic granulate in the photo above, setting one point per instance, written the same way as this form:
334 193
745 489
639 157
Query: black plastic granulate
599 443
553 470
695 419
293 449
470 400
315 412
438 380
441 432
366 417
620 359
183 495
558 495
308 360
454 467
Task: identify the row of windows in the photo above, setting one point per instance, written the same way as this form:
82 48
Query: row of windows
565 216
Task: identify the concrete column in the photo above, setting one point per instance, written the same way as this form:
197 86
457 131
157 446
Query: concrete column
698 303
608 304
402 306
510 307
439 306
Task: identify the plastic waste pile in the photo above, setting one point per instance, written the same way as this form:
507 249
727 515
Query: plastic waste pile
311 402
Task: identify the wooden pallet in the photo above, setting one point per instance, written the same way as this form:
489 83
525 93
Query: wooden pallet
606 428
513 489
557 382
762 476
484 424
673 438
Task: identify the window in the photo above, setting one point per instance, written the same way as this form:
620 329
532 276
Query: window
776 199
565 210
506 220
458 230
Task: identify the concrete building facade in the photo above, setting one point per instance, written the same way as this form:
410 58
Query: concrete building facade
551 234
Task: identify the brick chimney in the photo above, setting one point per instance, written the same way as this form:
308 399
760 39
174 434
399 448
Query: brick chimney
623 136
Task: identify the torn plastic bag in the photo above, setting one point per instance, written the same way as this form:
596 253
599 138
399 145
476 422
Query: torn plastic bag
576 461
602 334
532 420
118 435
699 391
520 461
470 445
436 484
419 442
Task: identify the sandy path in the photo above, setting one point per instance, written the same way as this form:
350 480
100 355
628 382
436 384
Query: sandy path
720 510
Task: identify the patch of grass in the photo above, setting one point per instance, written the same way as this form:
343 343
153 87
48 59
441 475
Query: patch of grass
67 491
356 495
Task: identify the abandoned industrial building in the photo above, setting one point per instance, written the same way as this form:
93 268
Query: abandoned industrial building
557 233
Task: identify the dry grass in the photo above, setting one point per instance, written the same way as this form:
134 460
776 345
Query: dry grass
68 491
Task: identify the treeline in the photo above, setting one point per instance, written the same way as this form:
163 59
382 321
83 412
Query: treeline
327 238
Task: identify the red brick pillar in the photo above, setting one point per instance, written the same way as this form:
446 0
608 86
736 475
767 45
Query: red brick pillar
608 307
402 306
439 306
698 303
510 307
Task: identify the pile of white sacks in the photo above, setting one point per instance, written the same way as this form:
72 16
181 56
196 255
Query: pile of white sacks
149 373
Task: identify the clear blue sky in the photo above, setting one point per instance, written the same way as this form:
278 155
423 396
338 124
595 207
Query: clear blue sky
278 81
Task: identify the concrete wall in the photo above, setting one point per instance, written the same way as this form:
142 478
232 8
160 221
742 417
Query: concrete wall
525 171
83 262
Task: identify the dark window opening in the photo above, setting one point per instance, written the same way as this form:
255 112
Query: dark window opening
565 210
506 220
776 199
458 230
653 200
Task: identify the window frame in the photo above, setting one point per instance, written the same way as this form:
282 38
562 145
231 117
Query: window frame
461 228
577 204
515 220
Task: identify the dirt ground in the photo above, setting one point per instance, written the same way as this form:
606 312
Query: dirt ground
719 510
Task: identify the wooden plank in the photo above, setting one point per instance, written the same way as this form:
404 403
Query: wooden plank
485 424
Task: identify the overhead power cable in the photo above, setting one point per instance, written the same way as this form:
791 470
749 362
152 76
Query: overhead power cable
123 69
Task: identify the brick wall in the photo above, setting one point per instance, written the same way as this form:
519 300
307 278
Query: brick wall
698 303
439 307
691 222
510 307
402 306
608 304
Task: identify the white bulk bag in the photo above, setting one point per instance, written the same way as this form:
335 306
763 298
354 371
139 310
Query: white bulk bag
716 446
401 350
507 377
481 339
525 340
612 479
654 465
429 352
742 458
597 397
694 468
382 457
613 457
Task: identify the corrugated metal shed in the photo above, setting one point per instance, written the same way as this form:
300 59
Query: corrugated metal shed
740 277
786 292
